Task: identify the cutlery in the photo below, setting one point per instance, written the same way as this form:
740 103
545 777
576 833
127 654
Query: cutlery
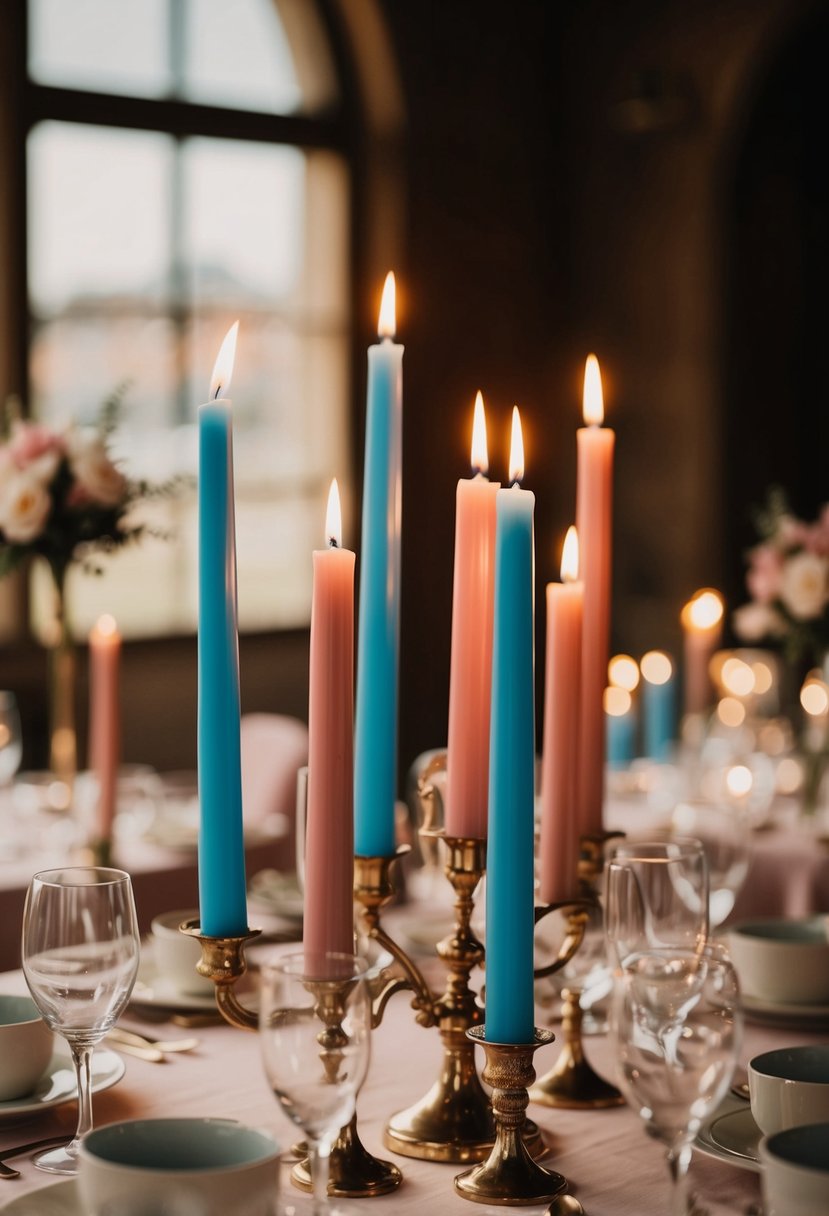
19 1150
132 1038
151 1054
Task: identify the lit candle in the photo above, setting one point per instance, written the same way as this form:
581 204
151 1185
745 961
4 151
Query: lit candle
658 704
470 682
594 519
223 906
104 722
375 740
510 845
559 838
702 628
329 854
620 724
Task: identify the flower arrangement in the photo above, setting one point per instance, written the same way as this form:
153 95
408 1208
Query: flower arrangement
788 581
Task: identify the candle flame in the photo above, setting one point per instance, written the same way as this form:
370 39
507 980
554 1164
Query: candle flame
814 697
223 368
334 517
106 626
480 453
704 610
737 677
387 324
656 667
617 701
516 449
592 399
623 672
570 556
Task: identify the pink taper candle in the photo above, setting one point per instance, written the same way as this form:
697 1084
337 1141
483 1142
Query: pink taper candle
467 772
559 835
702 633
104 720
329 837
594 519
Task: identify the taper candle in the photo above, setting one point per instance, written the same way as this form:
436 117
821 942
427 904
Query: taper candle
104 720
329 836
511 824
222 896
559 849
658 704
470 680
701 620
594 520
375 741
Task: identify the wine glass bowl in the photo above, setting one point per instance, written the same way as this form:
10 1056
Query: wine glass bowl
80 959
725 832
656 896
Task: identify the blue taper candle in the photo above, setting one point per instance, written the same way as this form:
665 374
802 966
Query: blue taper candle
510 844
378 639
658 704
222 900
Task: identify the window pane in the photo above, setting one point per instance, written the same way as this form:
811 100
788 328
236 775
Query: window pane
99 215
115 46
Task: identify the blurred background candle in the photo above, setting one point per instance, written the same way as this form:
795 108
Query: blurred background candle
222 897
701 620
620 726
329 839
375 743
104 722
594 520
658 704
470 681
510 845
559 837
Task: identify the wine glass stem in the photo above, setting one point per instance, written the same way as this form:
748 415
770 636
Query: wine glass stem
319 1152
82 1059
678 1161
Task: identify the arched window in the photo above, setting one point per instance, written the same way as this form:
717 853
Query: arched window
187 164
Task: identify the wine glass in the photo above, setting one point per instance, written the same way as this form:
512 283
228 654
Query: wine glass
676 1027
315 1024
80 959
656 896
725 834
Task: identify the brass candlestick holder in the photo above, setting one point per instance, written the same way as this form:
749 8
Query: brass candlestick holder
573 1083
509 1175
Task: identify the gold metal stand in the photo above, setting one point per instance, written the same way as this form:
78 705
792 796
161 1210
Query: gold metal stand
509 1175
573 1083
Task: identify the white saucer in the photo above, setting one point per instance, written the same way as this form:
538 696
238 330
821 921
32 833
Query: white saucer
731 1135
153 989
59 1199
788 1013
58 1085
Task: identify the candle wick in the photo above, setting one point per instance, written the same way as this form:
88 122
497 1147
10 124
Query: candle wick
333 543
217 392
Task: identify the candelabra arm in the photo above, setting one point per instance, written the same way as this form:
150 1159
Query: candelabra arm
223 961
576 925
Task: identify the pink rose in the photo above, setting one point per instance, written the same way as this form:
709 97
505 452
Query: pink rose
791 532
818 539
764 573
36 448
24 508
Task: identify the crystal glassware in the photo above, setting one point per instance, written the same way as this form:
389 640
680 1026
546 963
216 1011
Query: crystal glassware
676 1027
656 896
725 833
315 1026
80 958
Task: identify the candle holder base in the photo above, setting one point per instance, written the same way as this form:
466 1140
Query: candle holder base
353 1173
509 1176
223 961
572 1083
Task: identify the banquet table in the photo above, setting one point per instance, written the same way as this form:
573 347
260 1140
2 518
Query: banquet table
613 1167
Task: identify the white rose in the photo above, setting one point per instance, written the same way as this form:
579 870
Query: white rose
96 475
804 585
754 621
25 504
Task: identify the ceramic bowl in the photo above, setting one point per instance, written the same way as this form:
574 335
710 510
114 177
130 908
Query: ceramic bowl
26 1046
784 961
789 1087
796 1171
152 1167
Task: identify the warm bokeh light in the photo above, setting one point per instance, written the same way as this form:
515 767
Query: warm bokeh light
480 453
516 448
738 781
731 712
704 610
592 398
334 517
789 775
105 626
570 556
617 701
656 667
814 697
737 677
387 323
223 367
763 678
623 672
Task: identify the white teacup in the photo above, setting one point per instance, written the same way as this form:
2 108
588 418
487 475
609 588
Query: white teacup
789 1087
796 1171
783 961
26 1045
175 955
175 1167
